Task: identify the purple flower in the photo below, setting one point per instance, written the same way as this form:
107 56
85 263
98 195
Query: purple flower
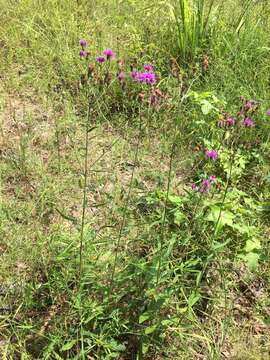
194 187
121 76
83 43
153 99
82 54
100 59
109 53
211 154
148 67
144 77
268 112
212 178
133 74
149 78
250 105
247 122
204 186
230 121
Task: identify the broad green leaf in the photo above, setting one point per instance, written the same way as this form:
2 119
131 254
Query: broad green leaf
175 199
150 329
206 107
253 244
252 260
179 217
223 217
143 318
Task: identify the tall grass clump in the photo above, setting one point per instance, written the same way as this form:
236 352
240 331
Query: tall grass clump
191 25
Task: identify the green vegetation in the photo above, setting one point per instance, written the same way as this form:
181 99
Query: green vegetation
134 200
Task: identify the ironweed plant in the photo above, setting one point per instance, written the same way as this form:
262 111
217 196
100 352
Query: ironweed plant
134 208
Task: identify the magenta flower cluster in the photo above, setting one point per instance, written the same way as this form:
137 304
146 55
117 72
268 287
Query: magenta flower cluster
121 76
144 77
83 44
230 121
268 112
108 54
250 105
205 184
148 67
211 154
100 59
247 122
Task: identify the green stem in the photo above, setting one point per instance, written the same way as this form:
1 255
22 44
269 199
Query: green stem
165 211
125 209
84 191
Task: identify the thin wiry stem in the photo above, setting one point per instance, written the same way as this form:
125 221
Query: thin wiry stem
57 135
88 129
84 189
165 212
125 208
169 185
221 270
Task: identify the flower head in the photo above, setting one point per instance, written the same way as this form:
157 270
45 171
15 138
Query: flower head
153 99
211 154
121 76
133 74
82 53
83 43
268 112
212 178
100 59
205 184
194 187
144 77
149 78
148 67
250 105
247 122
230 121
109 53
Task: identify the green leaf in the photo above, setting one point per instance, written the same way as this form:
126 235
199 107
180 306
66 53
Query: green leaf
143 318
179 217
174 199
252 260
206 107
150 329
223 217
193 299
68 345
253 244
219 246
